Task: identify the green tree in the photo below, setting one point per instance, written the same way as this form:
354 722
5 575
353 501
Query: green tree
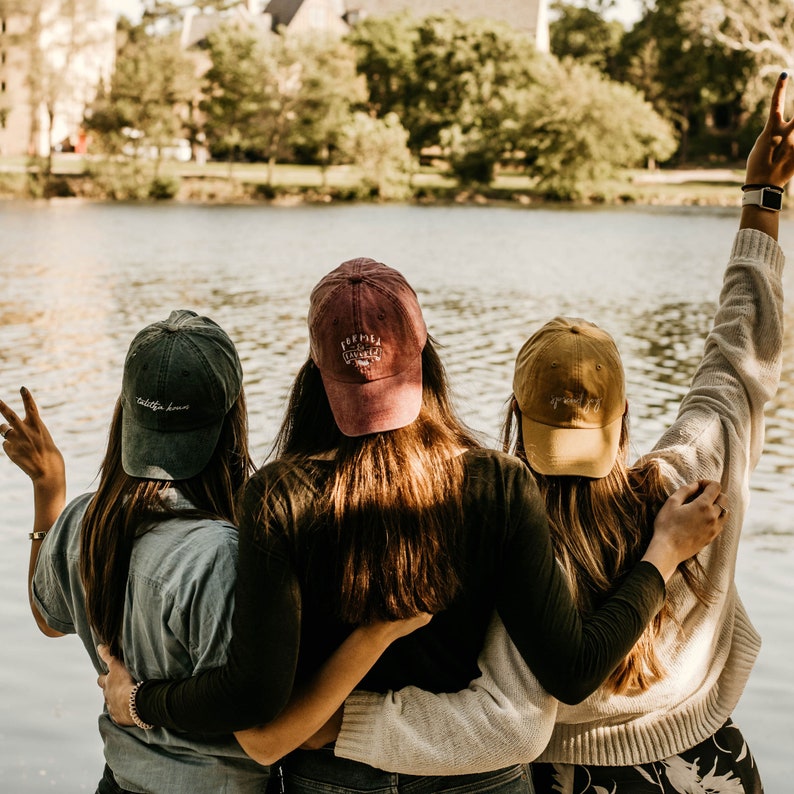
684 73
268 95
379 147
237 88
758 32
469 75
452 82
330 88
582 33
386 55
148 104
578 127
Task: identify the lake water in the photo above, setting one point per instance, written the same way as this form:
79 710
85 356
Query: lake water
78 280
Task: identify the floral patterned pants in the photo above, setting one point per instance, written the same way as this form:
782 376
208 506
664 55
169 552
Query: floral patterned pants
722 764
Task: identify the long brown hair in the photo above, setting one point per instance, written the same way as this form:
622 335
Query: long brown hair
394 498
599 529
124 506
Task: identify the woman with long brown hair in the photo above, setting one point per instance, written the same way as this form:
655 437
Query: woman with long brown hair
381 505
661 721
146 565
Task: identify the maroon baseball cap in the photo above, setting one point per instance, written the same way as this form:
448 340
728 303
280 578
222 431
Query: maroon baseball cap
366 335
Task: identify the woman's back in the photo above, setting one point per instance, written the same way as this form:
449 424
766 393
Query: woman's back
504 558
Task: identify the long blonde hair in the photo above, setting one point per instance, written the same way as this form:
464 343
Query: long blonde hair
599 529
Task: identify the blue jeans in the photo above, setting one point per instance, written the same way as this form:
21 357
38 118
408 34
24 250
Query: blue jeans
321 772
108 784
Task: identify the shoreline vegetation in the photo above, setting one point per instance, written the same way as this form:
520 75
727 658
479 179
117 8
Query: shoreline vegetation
247 183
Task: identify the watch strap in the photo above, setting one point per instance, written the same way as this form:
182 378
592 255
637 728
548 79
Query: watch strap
767 197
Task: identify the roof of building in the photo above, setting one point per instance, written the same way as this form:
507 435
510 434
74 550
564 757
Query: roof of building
520 14
283 11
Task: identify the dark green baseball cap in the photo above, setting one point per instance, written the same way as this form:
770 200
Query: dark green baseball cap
181 377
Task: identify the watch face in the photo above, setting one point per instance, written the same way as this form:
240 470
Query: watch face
771 199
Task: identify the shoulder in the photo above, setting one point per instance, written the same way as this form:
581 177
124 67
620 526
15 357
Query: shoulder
283 481
180 548
500 480
492 466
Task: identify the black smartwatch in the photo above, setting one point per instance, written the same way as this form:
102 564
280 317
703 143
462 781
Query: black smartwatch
766 196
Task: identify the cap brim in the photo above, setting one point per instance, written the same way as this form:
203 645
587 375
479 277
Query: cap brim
376 406
571 452
155 455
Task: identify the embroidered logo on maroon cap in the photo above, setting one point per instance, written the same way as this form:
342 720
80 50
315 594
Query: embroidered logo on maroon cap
367 334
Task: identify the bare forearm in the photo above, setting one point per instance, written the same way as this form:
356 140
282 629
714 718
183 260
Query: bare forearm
758 218
310 708
49 498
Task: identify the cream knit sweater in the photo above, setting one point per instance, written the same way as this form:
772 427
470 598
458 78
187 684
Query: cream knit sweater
504 717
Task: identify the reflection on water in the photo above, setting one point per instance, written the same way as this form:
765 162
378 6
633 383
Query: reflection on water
78 280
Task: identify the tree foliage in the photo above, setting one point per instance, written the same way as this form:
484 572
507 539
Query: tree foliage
759 32
150 98
681 70
385 50
582 33
268 95
454 84
379 147
331 89
578 127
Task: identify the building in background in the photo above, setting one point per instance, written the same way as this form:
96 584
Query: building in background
53 58
530 16
54 55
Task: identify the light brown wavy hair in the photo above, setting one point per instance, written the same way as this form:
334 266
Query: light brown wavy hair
123 507
599 529
394 498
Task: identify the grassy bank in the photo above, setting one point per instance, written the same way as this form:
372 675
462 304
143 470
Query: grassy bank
73 176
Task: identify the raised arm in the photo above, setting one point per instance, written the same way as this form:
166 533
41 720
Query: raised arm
722 416
28 443
770 162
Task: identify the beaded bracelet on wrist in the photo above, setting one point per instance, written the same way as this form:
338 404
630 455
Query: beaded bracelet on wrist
134 709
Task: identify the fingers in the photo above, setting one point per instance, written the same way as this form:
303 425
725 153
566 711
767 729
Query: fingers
104 655
8 414
685 493
711 491
31 409
777 105
707 494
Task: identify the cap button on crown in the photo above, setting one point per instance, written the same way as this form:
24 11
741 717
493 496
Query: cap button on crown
356 278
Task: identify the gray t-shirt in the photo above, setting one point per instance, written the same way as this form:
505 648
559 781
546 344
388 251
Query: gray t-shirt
177 621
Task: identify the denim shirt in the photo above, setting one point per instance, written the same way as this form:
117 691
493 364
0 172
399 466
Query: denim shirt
177 621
